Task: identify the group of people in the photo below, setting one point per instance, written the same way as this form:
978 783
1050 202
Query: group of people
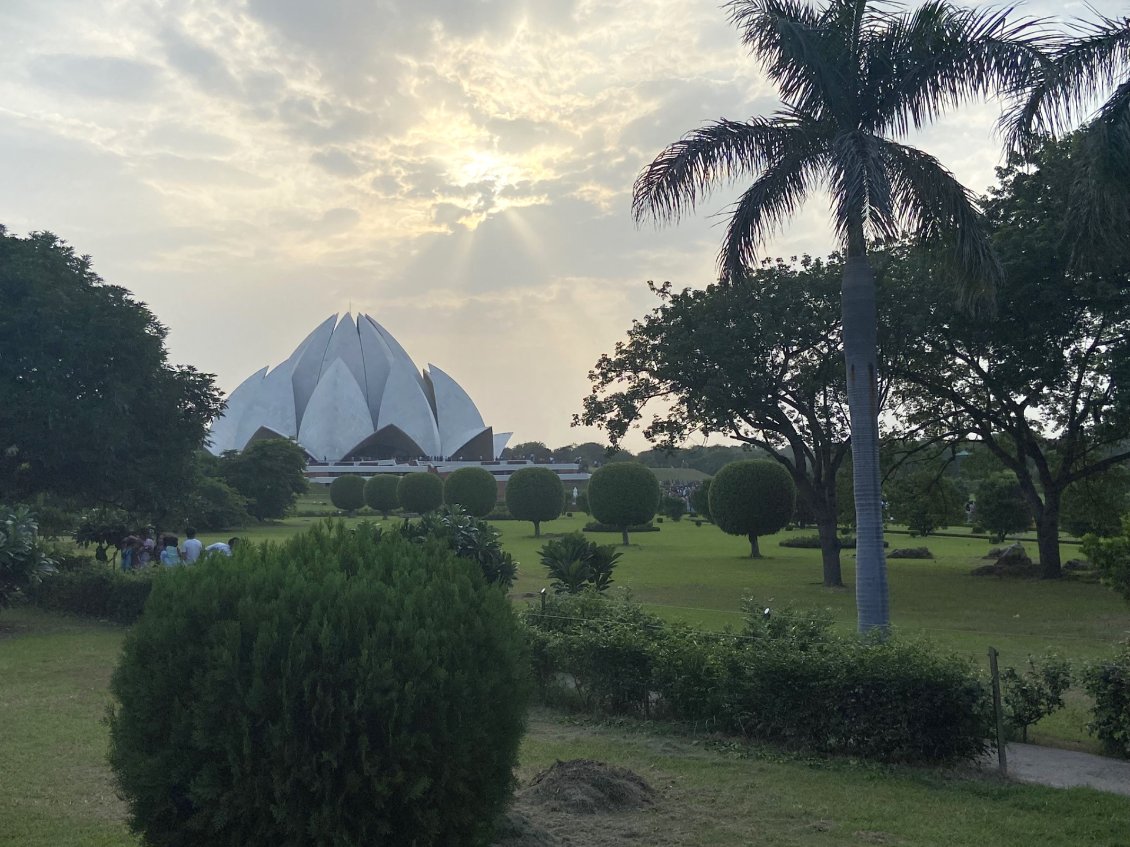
148 549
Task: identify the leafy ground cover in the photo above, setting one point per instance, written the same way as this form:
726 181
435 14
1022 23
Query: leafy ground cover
55 788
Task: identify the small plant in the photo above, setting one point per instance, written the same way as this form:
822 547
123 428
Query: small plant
1034 693
802 628
576 563
1109 683
23 562
469 538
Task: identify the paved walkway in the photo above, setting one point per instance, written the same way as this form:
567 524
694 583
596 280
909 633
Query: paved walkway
1066 768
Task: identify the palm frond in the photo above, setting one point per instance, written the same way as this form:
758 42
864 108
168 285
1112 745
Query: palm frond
939 56
1100 194
1060 90
930 203
763 208
862 188
688 169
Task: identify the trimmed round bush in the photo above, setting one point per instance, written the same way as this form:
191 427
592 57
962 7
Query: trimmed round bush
380 493
474 489
623 494
348 493
752 498
420 492
535 494
343 688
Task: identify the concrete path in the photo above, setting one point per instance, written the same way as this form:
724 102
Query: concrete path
1066 768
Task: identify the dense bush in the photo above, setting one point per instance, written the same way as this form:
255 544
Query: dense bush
787 679
752 498
1095 505
380 493
672 507
536 495
700 499
420 492
597 526
623 494
1000 507
97 591
576 564
475 490
1034 692
343 688
1108 682
924 501
348 493
23 560
469 538
1111 557
812 542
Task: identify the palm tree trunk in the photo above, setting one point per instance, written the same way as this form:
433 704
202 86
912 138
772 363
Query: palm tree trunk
860 331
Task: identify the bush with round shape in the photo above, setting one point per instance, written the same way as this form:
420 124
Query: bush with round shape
536 495
475 490
752 498
420 492
380 493
343 688
623 494
348 493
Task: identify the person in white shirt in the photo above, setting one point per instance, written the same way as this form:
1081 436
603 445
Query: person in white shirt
192 546
222 548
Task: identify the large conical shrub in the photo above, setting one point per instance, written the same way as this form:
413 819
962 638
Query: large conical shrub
340 689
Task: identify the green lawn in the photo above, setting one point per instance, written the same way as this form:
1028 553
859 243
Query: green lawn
56 791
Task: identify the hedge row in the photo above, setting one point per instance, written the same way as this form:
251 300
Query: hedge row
97 591
804 687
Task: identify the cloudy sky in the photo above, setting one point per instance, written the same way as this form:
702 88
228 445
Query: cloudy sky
459 169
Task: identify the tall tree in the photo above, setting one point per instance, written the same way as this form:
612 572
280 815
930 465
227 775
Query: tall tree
853 75
1044 383
270 473
759 361
1091 62
89 406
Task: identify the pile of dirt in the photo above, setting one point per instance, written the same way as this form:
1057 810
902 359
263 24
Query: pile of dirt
910 553
1010 562
517 830
583 786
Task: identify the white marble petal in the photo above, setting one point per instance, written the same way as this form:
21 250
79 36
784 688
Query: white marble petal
337 416
307 365
405 406
378 363
224 434
500 440
458 419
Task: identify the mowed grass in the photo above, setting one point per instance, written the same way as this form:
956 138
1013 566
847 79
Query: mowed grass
56 790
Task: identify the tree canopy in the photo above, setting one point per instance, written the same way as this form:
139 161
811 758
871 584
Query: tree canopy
91 408
752 498
623 494
270 473
536 495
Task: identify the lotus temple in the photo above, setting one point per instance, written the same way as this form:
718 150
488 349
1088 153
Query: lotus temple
350 392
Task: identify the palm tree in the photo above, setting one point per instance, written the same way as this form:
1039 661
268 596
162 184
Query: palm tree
853 76
1059 93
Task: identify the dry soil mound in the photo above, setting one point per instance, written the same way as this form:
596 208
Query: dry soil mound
586 787
517 830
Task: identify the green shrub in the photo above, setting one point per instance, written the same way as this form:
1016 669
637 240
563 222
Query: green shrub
623 494
1108 682
96 591
348 493
343 688
473 489
583 502
380 493
575 563
597 526
536 495
1111 558
469 538
752 498
23 560
812 542
672 507
700 499
1035 692
420 492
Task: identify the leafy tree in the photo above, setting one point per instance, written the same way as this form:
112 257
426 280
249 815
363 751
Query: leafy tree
212 504
474 489
758 360
700 499
533 450
380 493
1095 505
420 492
623 494
576 564
536 494
752 498
852 75
1044 382
1111 556
22 559
348 493
91 409
1001 507
270 473
925 500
